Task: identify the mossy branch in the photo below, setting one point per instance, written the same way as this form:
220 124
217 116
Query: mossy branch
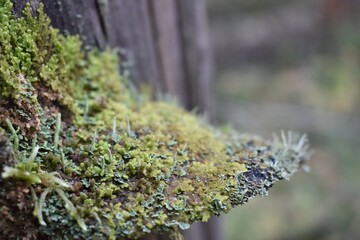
119 168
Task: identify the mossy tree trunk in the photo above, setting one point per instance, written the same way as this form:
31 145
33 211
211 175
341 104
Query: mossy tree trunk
165 43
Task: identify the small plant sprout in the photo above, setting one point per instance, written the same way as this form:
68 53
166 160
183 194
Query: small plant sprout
26 176
302 143
53 182
34 141
13 135
33 154
183 151
39 206
71 209
64 161
128 127
110 156
114 135
96 216
122 163
57 130
93 141
293 141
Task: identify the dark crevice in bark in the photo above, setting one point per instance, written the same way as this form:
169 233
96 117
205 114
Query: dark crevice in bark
155 36
187 76
100 8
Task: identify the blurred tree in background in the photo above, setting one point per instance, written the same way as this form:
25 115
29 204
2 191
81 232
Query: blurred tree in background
296 65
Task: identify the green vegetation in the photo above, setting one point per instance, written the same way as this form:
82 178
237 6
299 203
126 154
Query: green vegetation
86 158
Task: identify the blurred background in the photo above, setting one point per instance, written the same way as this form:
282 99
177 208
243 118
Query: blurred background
291 64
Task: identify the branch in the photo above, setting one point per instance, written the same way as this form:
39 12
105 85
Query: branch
104 163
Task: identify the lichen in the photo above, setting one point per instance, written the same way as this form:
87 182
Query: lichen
91 159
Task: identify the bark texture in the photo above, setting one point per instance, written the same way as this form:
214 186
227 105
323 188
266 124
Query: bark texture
165 41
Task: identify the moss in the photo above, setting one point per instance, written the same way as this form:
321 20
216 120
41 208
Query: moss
90 159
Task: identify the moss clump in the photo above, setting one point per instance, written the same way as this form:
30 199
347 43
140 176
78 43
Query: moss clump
35 59
88 159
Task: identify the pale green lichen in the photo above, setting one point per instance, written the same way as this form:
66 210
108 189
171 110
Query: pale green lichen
105 164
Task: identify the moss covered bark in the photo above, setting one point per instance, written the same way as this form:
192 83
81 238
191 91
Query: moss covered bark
83 157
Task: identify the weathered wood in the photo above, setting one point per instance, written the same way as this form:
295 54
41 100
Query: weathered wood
169 49
165 42
196 54
71 17
128 25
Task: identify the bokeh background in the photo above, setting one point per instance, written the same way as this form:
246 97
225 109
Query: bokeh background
294 64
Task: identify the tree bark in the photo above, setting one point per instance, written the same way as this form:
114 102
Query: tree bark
165 41
166 44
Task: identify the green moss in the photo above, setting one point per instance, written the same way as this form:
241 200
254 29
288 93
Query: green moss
97 162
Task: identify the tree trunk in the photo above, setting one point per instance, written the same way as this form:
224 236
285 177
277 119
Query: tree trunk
165 42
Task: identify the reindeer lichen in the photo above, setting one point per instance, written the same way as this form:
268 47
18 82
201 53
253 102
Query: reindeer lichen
82 157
